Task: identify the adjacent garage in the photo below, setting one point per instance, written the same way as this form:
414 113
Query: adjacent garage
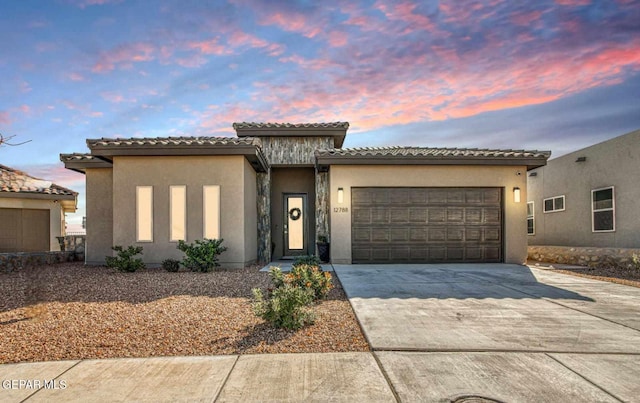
426 225
24 230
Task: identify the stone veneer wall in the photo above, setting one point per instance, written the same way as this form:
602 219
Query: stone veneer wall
322 203
11 262
583 256
263 197
290 152
287 151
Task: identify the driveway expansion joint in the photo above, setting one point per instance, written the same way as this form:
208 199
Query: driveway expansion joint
585 378
226 378
386 377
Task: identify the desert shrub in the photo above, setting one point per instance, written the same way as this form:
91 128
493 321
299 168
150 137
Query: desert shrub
635 259
171 265
304 276
125 260
284 307
310 260
202 255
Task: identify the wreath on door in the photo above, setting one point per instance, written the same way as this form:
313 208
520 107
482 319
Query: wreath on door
295 213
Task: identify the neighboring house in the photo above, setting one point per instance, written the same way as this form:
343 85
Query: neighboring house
589 197
31 212
275 188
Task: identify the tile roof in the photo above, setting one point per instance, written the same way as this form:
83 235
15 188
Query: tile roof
170 141
257 125
16 181
77 157
427 152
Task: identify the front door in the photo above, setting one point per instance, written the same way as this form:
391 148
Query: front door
295 224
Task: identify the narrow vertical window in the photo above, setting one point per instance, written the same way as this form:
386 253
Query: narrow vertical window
211 213
178 208
144 213
603 206
531 229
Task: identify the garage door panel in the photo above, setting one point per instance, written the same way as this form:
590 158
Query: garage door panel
380 235
437 214
426 225
399 215
362 215
362 235
379 215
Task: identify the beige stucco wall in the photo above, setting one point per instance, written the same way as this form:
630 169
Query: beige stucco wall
56 216
99 213
347 176
612 163
229 172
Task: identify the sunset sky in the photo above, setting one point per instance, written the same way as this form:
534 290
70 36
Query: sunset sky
553 75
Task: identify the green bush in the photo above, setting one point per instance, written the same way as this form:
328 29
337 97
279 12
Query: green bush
306 277
171 265
125 260
285 307
636 261
310 260
202 255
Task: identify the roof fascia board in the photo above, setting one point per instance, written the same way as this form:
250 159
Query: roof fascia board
33 195
338 134
250 152
530 163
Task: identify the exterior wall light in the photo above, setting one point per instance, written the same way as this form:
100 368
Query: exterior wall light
340 195
516 194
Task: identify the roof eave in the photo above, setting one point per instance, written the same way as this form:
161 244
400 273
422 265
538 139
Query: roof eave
36 195
324 161
251 152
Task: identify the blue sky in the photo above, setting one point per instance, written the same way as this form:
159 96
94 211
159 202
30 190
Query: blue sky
548 74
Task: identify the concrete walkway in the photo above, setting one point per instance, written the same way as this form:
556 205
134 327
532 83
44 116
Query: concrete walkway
505 332
338 377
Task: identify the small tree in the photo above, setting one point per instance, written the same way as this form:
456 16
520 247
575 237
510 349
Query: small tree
4 141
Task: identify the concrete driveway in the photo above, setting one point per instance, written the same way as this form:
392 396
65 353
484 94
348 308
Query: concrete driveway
508 332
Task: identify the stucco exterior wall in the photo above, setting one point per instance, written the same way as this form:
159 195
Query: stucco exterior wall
193 171
347 176
612 163
99 210
56 216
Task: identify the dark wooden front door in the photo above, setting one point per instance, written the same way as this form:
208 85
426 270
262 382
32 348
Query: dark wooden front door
425 225
295 224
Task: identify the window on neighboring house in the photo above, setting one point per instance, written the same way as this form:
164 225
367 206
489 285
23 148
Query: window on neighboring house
553 204
531 229
211 213
144 213
603 210
178 215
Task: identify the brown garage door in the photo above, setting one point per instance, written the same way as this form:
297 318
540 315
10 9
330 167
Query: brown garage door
424 225
24 230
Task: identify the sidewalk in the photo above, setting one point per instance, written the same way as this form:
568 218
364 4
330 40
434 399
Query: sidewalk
348 377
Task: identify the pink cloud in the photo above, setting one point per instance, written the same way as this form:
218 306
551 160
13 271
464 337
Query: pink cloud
209 47
24 109
5 118
573 2
338 38
526 19
116 98
124 56
73 76
88 3
56 173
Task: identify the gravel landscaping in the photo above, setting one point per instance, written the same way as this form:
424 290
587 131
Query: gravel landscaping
612 274
70 311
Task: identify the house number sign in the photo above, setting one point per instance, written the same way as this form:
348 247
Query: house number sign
341 209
